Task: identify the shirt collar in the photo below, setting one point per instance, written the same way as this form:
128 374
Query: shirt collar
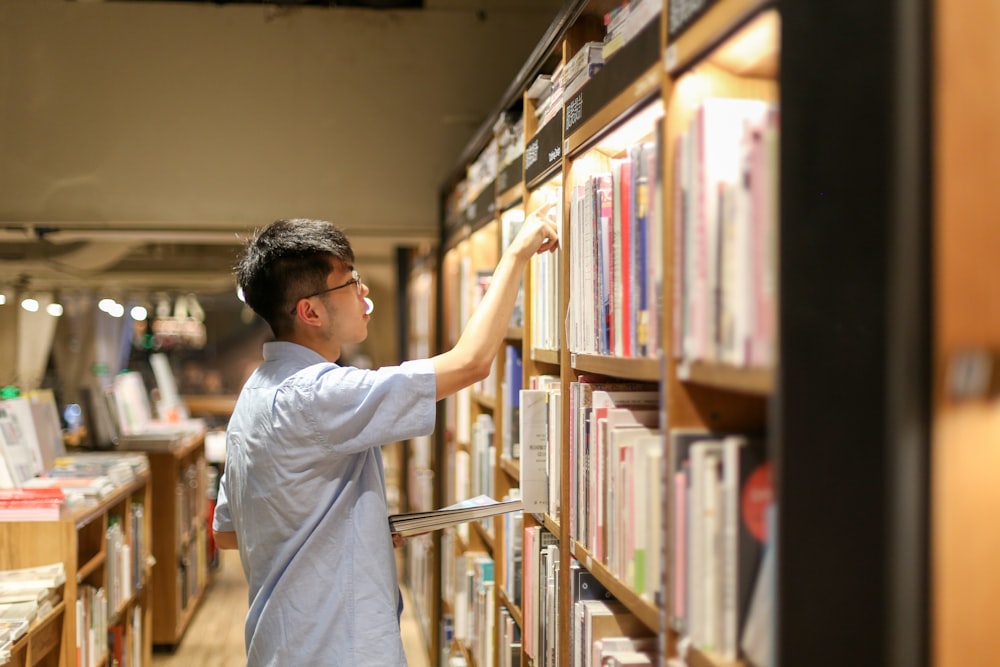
282 350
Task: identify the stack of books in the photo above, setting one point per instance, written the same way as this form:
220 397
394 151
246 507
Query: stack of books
579 69
625 21
88 477
31 504
27 594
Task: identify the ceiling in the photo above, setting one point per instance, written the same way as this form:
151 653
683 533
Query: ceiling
142 141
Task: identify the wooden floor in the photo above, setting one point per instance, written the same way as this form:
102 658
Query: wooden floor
215 636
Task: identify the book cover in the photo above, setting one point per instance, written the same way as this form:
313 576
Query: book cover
534 449
479 507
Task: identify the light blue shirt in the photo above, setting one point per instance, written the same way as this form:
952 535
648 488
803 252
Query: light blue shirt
304 490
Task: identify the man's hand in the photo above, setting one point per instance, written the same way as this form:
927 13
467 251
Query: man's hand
226 540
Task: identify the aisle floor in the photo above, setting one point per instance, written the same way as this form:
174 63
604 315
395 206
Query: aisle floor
215 636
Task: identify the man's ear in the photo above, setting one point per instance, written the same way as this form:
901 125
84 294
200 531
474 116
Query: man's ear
306 312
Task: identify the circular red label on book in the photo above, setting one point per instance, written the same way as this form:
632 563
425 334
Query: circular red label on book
756 498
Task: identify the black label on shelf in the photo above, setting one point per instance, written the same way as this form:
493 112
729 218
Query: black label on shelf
544 151
510 175
482 209
682 13
622 69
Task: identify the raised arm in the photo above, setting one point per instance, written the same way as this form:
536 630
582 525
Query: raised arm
469 361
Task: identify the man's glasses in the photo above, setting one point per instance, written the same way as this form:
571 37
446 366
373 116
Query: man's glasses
355 280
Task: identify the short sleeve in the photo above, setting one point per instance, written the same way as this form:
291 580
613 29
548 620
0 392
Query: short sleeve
222 521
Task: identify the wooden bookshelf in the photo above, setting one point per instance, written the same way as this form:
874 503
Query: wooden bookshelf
632 111
79 541
180 521
965 427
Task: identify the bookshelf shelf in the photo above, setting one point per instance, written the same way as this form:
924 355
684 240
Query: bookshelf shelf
635 369
484 401
644 610
510 467
510 198
696 658
550 523
80 541
720 21
757 381
89 567
514 334
545 356
180 519
484 535
41 641
515 611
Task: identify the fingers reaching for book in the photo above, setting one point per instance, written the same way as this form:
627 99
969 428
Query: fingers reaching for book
539 233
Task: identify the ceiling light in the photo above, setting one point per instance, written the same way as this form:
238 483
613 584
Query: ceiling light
138 313
30 305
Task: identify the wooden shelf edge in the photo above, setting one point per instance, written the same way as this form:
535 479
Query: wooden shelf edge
545 356
514 334
641 608
550 524
756 381
645 369
511 196
484 401
184 617
84 515
515 611
91 566
697 658
511 467
484 535
721 20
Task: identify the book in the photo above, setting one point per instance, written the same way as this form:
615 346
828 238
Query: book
17 447
31 504
479 507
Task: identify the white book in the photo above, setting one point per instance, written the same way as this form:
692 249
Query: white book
554 462
534 449
701 527
17 441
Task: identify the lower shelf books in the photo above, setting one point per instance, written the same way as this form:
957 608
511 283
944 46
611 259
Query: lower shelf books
479 507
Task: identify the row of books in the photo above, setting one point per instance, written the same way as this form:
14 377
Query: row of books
613 310
725 263
545 321
720 492
474 617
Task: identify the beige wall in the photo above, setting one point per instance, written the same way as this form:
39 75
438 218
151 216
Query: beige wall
167 116
171 113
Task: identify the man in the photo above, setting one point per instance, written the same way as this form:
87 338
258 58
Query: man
303 493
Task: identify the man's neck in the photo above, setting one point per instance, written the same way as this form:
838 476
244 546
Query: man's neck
329 350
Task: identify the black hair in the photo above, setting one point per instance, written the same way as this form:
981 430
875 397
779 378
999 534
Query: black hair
285 261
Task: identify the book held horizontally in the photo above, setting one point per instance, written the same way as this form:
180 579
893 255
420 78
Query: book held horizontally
479 507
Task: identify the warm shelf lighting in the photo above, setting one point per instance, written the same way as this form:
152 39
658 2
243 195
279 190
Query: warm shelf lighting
30 305
139 313
54 309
